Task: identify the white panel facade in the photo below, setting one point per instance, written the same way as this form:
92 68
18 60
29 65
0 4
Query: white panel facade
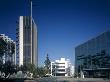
21 40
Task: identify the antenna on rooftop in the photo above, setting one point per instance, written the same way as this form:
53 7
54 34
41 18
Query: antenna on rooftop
31 26
31 8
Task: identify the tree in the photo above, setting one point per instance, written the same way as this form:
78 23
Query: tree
39 72
7 49
3 45
2 52
30 68
47 64
8 69
11 51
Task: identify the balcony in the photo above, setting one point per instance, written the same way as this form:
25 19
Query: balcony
61 68
60 72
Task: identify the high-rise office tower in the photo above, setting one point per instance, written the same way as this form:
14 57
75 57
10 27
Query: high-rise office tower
27 50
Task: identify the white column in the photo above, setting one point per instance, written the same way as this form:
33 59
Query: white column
21 40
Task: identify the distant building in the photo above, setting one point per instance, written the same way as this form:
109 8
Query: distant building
92 58
61 67
27 42
10 54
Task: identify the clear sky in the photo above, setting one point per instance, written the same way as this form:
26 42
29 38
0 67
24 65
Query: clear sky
62 24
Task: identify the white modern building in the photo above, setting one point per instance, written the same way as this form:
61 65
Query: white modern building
61 67
10 54
27 43
72 70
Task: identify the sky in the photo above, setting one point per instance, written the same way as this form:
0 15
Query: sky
62 24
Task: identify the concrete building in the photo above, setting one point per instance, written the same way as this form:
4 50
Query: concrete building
61 67
92 58
27 42
10 54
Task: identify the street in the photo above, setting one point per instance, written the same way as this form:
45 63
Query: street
68 79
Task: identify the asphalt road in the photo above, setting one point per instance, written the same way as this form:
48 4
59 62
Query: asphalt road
68 79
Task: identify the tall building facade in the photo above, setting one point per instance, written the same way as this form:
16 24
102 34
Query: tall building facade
10 53
27 43
61 67
92 58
